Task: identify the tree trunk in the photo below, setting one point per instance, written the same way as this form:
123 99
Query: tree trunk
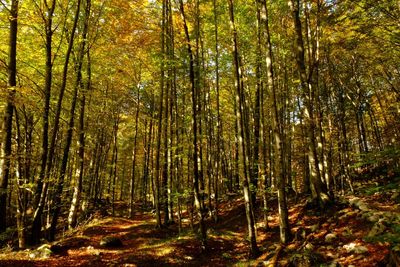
219 123
196 160
6 146
41 189
278 139
243 138
318 188
57 201
134 156
72 218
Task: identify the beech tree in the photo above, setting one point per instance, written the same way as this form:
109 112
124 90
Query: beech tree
178 107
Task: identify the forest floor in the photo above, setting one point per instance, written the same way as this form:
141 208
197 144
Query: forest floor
359 230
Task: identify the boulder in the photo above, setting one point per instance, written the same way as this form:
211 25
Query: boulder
354 248
68 243
110 241
377 229
330 237
44 251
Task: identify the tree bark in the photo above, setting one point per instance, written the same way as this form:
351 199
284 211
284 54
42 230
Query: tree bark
6 147
196 160
243 138
72 218
277 126
57 201
319 191
41 189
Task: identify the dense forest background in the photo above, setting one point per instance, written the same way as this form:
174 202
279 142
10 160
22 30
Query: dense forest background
177 105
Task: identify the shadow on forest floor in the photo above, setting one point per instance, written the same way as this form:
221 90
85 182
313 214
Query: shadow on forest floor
360 230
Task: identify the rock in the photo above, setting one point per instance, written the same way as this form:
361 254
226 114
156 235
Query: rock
354 248
314 227
357 203
330 237
44 251
371 217
354 201
377 229
347 232
363 207
309 246
65 244
110 241
395 196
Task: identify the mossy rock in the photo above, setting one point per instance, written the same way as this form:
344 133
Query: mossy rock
110 241
44 252
68 243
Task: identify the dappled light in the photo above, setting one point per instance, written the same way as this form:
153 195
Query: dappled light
199 133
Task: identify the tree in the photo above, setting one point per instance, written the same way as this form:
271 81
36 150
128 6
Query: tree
196 157
6 145
242 123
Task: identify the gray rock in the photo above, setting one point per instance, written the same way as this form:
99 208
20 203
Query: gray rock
330 237
354 248
44 251
110 241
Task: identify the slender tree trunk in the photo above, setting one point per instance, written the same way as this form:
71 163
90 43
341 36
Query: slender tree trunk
160 120
41 189
114 161
165 109
196 159
134 156
57 201
72 218
6 146
20 181
278 136
243 138
219 123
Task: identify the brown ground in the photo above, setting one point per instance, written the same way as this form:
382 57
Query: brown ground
143 245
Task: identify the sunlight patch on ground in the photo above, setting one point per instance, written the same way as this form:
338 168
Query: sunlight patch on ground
164 251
